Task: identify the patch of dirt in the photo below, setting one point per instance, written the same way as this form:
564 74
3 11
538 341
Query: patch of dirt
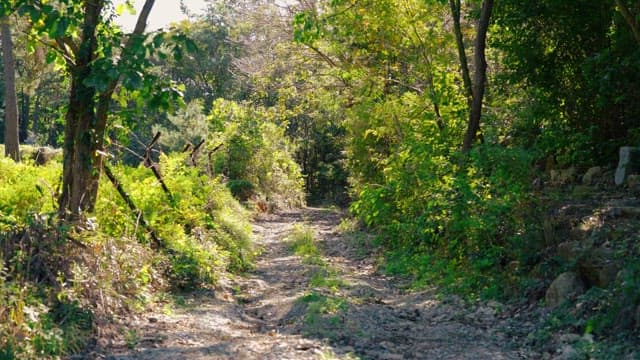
264 314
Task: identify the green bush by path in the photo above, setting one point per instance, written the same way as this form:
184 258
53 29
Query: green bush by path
55 279
455 226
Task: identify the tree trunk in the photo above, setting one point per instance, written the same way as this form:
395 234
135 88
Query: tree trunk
462 55
631 20
86 118
11 142
79 176
480 76
25 104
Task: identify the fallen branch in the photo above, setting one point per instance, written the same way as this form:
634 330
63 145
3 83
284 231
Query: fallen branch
195 153
209 155
156 242
148 162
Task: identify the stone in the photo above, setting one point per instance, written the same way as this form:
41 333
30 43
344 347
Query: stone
563 177
570 250
567 286
598 267
591 174
567 352
629 163
569 338
45 154
633 181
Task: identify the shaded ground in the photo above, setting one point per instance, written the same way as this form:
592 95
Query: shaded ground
335 307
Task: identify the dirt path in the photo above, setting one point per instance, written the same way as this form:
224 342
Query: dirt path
335 306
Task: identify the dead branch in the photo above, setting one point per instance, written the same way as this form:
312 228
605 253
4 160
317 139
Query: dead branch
156 242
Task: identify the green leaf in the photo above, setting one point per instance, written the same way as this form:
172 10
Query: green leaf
128 7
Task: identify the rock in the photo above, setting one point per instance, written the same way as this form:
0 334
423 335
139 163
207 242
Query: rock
44 155
566 286
569 338
633 181
589 177
567 352
637 322
497 306
570 250
391 356
563 177
598 267
628 164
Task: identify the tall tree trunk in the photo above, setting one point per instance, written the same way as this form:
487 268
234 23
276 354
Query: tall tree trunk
79 176
23 118
86 118
462 54
480 75
474 90
11 141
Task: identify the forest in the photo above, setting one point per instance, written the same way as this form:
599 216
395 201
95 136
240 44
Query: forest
481 154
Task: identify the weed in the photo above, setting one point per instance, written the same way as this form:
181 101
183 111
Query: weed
131 338
303 244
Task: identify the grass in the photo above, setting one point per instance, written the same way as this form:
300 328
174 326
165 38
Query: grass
324 306
303 244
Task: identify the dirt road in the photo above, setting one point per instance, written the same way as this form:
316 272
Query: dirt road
331 306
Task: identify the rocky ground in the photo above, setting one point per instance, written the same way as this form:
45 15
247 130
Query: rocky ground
336 307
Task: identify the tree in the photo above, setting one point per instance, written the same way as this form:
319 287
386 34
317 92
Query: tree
630 18
11 141
98 58
474 90
576 64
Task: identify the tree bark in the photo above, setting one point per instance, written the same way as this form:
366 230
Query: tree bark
631 20
86 118
480 76
462 55
79 176
11 137
23 117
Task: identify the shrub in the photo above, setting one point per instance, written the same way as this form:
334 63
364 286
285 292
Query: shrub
56 282
256 151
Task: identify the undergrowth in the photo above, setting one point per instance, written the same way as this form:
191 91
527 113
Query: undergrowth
456 224
58 282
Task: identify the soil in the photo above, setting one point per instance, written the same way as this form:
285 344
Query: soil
276 311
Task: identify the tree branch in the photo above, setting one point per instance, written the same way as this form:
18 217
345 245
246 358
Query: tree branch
464 63
630 19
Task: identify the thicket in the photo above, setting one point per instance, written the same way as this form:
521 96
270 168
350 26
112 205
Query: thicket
365 101
57 281
471 221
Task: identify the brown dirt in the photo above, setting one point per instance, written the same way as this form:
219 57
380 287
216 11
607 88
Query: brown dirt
276 311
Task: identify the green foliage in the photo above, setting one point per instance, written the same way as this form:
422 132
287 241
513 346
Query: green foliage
578 63
187 126
242 190
31 324
303 244
109 267
204 227
256 151
25 190
458 225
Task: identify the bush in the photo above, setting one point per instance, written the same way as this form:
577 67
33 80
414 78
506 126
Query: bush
461 223
256 151
57 281
204 227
